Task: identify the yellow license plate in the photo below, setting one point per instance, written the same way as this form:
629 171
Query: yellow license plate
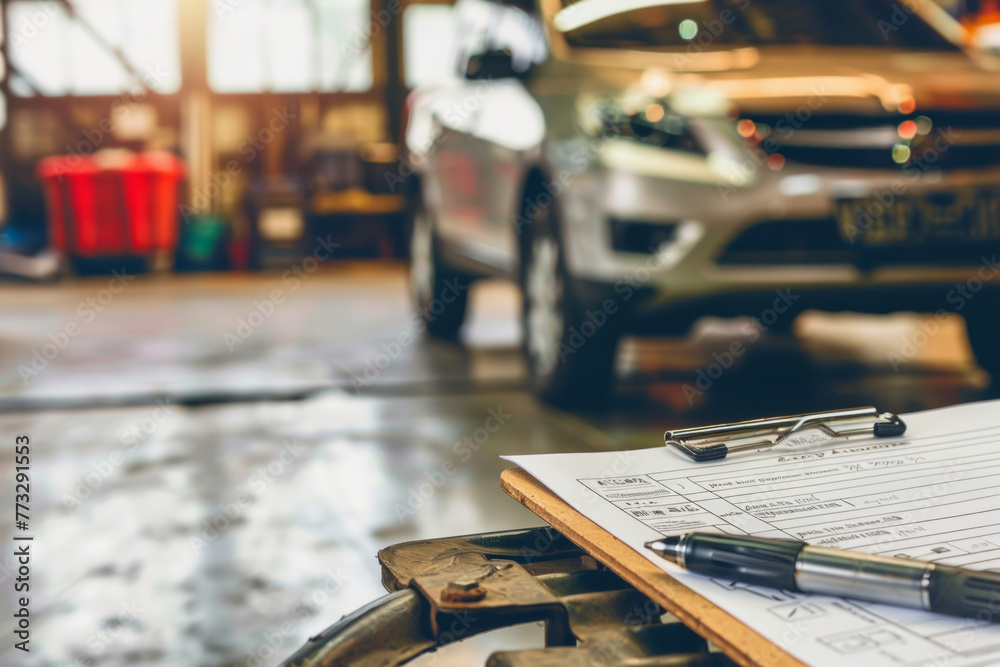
885 219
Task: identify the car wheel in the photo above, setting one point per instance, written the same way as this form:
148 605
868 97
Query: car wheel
569 352
440 294
983 323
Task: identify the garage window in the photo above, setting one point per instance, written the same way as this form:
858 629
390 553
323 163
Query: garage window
57 55
289 46
428 45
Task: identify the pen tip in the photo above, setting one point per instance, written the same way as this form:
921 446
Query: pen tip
666 547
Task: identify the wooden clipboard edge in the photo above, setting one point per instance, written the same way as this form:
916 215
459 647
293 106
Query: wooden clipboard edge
736 640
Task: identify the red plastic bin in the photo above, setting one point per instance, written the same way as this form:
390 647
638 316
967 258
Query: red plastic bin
112 204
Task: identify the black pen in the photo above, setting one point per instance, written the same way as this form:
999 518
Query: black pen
796 566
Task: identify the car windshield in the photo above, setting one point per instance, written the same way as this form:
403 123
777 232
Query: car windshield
727 23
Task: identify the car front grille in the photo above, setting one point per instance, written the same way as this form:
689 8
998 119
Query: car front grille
954 140
950 159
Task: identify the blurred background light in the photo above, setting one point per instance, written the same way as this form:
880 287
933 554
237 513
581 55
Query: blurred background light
688 29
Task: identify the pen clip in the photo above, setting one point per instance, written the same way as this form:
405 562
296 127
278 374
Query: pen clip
712 443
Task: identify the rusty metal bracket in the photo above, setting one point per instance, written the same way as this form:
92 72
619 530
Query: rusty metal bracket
538 550
450 589
504 594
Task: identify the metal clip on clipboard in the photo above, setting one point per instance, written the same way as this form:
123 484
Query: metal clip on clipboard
712 443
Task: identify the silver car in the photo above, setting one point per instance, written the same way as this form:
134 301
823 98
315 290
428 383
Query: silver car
636 165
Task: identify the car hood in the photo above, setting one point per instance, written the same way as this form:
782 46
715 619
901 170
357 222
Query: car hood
779 79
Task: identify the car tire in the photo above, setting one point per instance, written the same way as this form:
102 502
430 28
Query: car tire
983 323
570 358
440 294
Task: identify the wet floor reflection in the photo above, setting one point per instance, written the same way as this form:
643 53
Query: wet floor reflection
180 533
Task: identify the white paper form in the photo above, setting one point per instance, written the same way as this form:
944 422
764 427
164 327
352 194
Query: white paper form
933 494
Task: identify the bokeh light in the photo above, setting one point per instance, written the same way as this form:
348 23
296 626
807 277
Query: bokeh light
688 29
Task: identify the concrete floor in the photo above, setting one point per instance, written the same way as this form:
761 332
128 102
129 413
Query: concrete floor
197 485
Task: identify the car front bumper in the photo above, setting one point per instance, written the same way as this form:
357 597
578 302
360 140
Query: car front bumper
692 274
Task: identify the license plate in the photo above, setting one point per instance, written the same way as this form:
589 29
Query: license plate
959 216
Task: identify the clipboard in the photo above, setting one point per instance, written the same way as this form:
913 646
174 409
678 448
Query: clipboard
713 443
708 443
